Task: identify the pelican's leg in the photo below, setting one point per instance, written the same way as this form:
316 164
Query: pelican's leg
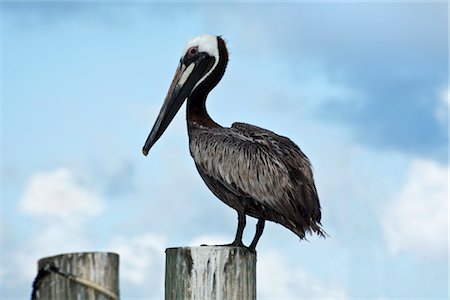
259 231
240 230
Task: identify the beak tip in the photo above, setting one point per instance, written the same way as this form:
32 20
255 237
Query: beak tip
144 151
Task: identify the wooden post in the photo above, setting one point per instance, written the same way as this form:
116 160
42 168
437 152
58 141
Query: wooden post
73 276
210 272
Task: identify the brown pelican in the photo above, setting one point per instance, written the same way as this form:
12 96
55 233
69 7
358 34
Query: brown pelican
253 170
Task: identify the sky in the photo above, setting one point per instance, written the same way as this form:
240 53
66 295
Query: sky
361 87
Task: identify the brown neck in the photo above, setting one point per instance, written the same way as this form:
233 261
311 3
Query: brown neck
196 108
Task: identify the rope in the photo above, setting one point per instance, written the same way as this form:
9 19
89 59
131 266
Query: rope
51 268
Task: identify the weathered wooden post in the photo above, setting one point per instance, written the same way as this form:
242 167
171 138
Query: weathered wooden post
73 276
210 272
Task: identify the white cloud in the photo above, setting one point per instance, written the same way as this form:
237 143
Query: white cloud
141 258
61 205
417 218
277 279
58 194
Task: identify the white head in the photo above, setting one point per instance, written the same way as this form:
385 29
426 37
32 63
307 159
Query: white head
205 43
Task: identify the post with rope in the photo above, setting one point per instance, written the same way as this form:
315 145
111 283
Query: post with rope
87 275
210 272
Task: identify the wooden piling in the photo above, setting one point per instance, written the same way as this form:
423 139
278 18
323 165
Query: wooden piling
73 276
210 272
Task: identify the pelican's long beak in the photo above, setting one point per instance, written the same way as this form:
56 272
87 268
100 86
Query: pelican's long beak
188 74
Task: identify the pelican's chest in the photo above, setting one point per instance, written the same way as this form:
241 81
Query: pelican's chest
201 145
207 146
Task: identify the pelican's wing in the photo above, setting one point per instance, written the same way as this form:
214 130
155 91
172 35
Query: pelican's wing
255 163
295 161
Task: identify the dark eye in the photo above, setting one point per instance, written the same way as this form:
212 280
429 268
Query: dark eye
193 51
190 55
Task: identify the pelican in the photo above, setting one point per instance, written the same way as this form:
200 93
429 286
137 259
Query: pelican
253 170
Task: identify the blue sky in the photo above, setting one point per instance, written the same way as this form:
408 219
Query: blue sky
362 88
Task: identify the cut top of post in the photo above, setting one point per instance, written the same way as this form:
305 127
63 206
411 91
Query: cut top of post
210 272
85 275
